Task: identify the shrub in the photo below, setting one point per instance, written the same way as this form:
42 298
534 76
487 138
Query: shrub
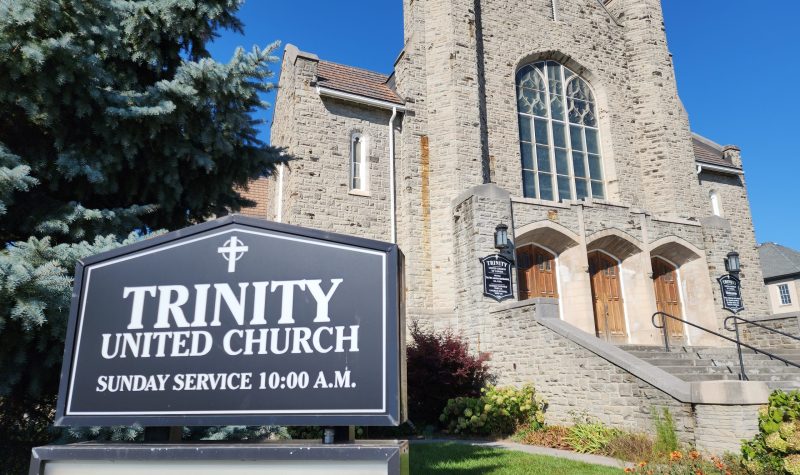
317 432
554 437
691 462
440 368
630 447
776 448
305 432
591 437
499 411
666 436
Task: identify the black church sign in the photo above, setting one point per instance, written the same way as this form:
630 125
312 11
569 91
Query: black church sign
731 290
497 277
237 321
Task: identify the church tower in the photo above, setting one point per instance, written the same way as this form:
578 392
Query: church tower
559 119
662 140
560 122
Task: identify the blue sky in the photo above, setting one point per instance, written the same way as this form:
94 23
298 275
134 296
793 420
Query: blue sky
736 68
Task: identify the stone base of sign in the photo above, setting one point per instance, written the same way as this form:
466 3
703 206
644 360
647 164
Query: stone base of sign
285 458
580 374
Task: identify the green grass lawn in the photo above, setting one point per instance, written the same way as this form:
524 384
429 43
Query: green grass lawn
462 459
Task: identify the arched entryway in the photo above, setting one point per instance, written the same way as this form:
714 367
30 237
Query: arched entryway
609 308
666 283
536 272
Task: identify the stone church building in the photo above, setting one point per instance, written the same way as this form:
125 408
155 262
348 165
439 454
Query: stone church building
560 119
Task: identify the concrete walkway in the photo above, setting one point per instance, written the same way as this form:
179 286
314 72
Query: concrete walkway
533 449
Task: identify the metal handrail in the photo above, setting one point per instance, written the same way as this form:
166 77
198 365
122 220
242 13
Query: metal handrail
738 340
736 319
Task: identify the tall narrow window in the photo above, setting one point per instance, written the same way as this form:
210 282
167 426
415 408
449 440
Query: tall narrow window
559 136
715 208
358 171
783 291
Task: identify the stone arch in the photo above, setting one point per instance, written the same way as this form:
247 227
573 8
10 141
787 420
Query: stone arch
675 250
558 57
615 242
597 85
552 236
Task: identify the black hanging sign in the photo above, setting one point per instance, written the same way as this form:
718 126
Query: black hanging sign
237 321
731 290
497 277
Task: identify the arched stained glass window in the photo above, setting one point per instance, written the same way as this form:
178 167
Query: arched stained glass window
558 133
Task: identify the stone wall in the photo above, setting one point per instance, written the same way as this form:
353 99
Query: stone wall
600 217
768 340
282 132
476 214
736 223
580 379
662 137
720 239
528 211
574 380
413 169
718 429
689 231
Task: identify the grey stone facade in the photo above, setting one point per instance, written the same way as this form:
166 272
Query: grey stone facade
458 173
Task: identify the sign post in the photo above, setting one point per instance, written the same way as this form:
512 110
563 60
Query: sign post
237 321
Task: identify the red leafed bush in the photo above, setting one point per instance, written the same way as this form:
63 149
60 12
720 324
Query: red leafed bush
440 367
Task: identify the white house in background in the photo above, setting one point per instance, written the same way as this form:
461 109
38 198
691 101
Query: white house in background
781 268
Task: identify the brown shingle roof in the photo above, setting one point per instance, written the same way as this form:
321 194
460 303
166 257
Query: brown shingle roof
706 151
356 81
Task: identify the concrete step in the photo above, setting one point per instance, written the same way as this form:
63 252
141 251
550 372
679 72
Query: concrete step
714 364
647 356
789 373
770 370
708 377
658 361
785 385
704 349
717 355
757 365
769 378
700 369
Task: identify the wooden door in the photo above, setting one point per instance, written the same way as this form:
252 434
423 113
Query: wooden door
668 296
609 315
536 272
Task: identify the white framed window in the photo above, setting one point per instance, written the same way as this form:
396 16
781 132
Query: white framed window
559 134
358 163
783 292
716 209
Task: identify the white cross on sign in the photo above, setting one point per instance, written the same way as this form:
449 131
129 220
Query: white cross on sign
232 251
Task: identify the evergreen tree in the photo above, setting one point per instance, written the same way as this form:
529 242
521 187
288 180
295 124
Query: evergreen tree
113 119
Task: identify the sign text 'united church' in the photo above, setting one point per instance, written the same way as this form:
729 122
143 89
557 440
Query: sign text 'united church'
236 322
